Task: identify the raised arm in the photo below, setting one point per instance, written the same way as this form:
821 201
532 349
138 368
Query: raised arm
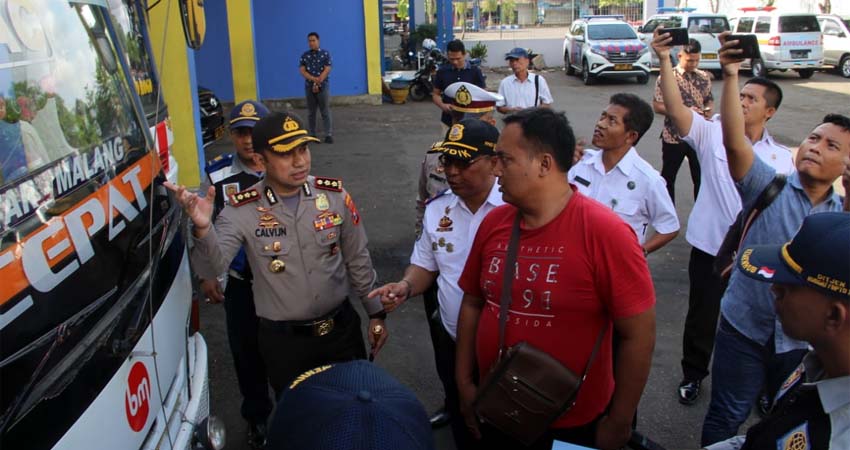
673 106
739 151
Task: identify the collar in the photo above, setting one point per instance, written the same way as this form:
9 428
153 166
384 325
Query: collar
794 181
527 79
466 65
238 167
626 163
494 198
273 199
834 393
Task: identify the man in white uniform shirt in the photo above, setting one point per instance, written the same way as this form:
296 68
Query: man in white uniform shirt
523 89
619 178
717 204
448 230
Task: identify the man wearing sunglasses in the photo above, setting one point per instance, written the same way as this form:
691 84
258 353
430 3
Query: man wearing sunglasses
448 229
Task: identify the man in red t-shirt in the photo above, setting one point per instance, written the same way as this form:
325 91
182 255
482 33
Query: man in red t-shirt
579 270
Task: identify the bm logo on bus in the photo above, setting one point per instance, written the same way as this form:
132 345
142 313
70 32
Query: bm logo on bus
137 397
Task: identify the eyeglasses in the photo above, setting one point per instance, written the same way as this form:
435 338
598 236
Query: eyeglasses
445 161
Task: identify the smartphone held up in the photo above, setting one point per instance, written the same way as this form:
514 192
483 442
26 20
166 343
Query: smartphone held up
746 42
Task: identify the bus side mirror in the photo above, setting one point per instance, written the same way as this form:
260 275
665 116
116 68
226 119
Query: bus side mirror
194 22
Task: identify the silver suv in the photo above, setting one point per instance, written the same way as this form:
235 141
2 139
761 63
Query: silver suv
605 46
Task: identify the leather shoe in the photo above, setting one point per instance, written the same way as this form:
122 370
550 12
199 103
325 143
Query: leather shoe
257 435
689 391
440 418
329 140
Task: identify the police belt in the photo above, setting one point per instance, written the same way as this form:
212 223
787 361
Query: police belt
321 326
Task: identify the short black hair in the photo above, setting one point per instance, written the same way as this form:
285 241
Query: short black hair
693 47
313 33
837 119
640 115
547 131
772 93
455 46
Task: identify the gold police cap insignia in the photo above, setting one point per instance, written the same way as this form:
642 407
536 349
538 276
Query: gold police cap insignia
456 132
463 97
290 125
248 110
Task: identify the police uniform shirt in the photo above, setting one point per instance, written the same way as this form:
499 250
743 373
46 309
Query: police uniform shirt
322 248
810 412
718 202
432 181
633 189
448 230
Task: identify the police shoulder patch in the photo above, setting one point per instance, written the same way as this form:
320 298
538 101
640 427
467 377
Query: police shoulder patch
328 184
244 197
436 196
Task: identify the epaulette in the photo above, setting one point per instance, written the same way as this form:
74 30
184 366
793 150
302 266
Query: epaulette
244 197
218 163
329 184
437 195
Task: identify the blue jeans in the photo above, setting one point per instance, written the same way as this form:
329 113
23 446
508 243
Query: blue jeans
321 102
741 368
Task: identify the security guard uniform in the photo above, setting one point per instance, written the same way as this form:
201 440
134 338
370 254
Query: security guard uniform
304 254
229 175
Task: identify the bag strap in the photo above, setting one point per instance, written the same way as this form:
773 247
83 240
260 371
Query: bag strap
536 89
505 301
770 192
507 282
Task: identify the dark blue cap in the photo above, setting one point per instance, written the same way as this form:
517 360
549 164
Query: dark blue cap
247 114
817 256
349 406
516 53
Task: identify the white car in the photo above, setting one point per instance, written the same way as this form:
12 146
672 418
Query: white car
836 42
605 46
787 41
703 27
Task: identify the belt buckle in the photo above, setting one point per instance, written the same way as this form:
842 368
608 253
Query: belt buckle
323 327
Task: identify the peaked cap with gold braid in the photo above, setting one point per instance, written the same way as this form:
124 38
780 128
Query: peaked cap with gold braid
280 133
469 98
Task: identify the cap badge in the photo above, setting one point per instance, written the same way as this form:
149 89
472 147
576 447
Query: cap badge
456 133
290 125
463 97
248 110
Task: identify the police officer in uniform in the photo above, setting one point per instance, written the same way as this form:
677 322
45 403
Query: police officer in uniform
811 283
306 245
229 174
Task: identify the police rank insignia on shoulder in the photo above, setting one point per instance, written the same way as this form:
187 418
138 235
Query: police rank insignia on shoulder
329 184
244 197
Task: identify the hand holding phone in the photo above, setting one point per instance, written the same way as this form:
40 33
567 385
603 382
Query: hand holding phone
679 35
746 42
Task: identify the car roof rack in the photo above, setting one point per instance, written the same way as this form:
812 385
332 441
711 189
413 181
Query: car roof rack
609 16
666 9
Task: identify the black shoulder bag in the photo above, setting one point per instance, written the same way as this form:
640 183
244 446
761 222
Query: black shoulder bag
527 389
536 89
724 262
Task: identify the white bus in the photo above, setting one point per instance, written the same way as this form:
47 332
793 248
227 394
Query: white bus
98 346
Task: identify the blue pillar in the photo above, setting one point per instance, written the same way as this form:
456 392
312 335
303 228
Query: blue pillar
411 15
476 14
381 27
445 23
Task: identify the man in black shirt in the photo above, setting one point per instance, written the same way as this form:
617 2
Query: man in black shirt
457 69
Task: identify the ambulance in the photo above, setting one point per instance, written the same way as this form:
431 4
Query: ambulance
99 342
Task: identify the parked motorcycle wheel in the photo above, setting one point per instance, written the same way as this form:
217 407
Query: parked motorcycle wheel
418 92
